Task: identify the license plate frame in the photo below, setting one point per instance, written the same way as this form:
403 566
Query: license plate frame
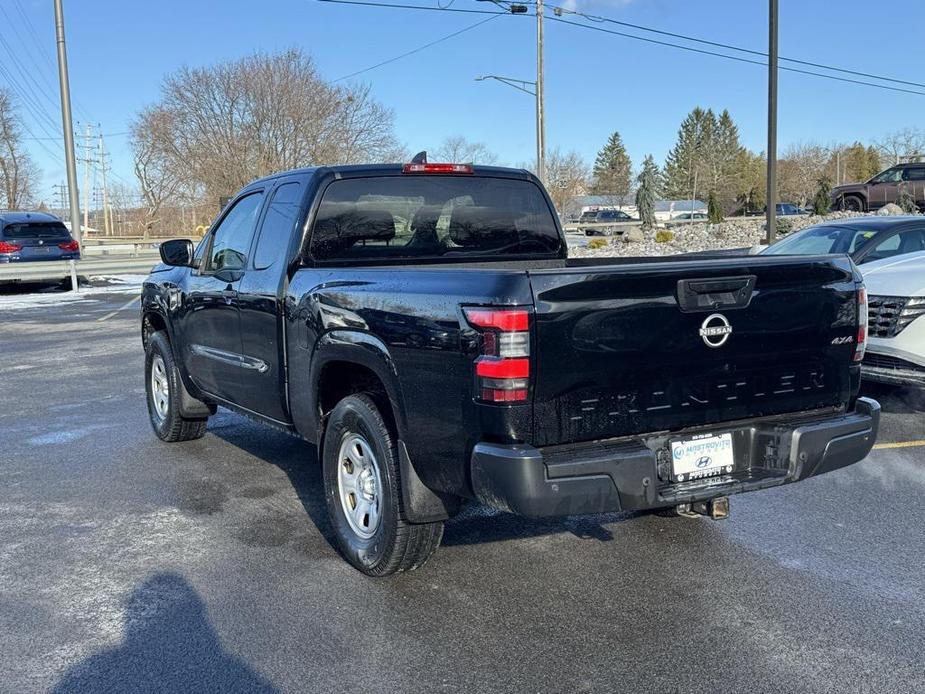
702 457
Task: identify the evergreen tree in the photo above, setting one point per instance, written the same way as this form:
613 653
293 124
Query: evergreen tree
724 155
714 209
750 181
859 162
649 190
905 200
612 170
822 200
686 168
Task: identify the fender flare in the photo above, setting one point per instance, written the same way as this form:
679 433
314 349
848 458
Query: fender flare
421 504
363 349
190 403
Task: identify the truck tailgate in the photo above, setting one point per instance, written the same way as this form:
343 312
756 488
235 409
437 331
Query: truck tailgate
652 346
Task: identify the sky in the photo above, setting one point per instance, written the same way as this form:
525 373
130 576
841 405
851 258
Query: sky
596 83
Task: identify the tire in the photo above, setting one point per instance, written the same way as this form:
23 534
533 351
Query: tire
162 392
363 493
853 203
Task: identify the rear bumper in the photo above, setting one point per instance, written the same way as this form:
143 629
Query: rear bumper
631 475
16 259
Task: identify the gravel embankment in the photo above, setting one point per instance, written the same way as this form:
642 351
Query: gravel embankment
732 233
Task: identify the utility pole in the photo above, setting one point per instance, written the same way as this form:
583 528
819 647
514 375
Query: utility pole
772 121
68 127
540 105
61 197
86 189
106 217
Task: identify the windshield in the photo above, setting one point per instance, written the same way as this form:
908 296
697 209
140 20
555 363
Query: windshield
431 216
36 230
822 239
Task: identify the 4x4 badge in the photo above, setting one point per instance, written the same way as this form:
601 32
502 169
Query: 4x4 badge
715 330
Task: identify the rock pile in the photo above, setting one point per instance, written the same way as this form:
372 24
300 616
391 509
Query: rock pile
741 232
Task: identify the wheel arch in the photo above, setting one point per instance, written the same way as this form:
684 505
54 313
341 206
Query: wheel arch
347 362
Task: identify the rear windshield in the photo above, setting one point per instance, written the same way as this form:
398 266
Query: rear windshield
393 217
36 230
819 240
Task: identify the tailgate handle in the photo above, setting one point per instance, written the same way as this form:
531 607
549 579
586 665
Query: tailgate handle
715 292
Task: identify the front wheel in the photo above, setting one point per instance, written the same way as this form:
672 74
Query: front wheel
363 493
163 387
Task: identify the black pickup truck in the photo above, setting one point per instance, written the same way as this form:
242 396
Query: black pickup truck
423 325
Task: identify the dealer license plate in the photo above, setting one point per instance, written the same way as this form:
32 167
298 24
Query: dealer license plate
701 456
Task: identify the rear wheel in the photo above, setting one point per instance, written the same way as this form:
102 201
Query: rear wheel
163 388
363 493
853 203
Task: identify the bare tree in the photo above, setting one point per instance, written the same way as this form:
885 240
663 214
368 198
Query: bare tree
458 149
159 180
18 173
799 171
566 177
908 143
216 128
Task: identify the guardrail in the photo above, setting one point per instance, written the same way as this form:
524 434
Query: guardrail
59 270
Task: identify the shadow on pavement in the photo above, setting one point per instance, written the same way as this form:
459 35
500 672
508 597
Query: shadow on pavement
476 524
896 399
169 645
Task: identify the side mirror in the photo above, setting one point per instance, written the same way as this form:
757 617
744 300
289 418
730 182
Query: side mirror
177 252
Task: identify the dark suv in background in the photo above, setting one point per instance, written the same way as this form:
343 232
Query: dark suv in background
31 236
882 189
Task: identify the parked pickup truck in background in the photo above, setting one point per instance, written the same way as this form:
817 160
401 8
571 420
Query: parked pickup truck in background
423 325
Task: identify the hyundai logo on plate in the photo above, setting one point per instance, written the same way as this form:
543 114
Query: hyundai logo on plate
704 461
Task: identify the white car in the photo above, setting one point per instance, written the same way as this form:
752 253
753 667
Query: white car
896 306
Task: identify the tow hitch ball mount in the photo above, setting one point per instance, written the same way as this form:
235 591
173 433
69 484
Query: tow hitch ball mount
717 508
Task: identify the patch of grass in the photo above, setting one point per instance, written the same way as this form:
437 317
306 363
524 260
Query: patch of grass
594 244
664 236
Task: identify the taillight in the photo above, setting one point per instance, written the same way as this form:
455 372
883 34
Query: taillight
7 247
437 168
71 246
502 369
860 346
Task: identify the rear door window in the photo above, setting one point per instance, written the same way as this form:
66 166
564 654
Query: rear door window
408 216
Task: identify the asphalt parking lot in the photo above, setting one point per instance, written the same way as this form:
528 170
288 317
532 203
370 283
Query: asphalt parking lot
127 564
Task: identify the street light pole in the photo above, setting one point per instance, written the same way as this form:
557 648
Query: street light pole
67 125
772 122
540 105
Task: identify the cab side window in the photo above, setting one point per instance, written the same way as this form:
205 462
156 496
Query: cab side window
276 230
231 240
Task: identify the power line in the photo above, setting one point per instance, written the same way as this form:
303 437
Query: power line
51 69
667 44
731 47
420 48
125 132
733 57
411 7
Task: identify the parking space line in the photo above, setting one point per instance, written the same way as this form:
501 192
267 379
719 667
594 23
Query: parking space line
112 313
901 444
